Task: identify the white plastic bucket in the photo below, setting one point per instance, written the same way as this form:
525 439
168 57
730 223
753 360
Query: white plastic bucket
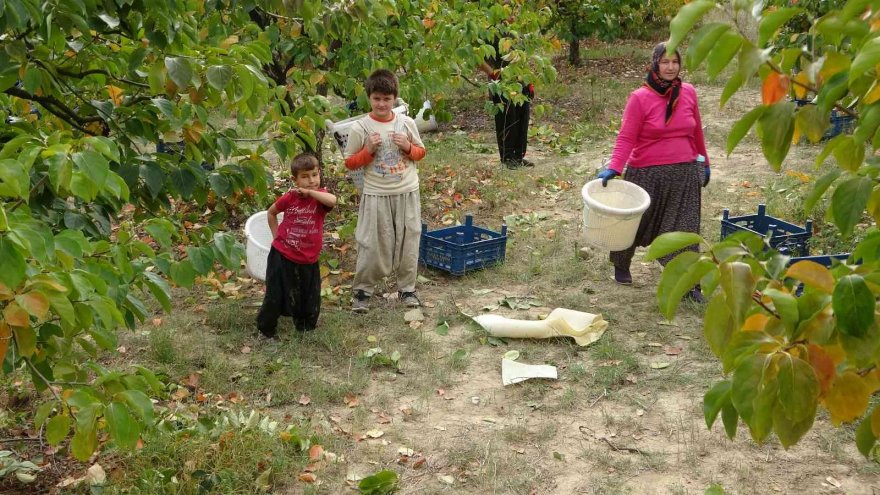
612 214
259 243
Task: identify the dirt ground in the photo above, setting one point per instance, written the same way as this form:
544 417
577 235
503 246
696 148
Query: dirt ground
644 434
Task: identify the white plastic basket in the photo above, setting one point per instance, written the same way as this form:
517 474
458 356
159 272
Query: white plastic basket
612 214
339 131
259 243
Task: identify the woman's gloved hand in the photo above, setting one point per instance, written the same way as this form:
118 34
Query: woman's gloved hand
706 178
607 175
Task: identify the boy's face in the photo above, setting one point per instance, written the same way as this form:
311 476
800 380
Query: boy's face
308 179
382 105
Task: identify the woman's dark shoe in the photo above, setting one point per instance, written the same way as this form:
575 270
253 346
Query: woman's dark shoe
695 295
622 276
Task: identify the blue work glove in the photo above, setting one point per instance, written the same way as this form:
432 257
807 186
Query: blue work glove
607 175
706 178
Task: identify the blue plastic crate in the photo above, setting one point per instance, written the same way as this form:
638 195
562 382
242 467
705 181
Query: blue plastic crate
462 248
787 238
840 122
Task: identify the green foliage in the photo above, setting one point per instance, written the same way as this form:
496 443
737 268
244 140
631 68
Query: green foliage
94 221
791 352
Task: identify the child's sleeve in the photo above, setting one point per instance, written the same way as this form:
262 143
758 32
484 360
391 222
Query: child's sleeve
417 150
356 154
283 202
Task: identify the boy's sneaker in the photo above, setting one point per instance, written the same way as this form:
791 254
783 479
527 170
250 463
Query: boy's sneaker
361 302
409 299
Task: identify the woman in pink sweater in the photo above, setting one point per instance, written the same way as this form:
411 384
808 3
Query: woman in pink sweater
661 143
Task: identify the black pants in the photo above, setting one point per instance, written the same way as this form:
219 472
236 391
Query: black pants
292 289
511 128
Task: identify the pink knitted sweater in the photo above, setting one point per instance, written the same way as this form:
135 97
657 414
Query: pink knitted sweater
646 140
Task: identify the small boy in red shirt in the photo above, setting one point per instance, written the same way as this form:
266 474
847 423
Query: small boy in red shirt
293 279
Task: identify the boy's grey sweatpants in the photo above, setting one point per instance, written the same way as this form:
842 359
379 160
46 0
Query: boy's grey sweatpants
387 235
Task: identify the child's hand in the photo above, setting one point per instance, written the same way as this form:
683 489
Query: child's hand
303 193
401 141
373 142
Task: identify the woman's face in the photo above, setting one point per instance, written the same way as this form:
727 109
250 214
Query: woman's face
669 67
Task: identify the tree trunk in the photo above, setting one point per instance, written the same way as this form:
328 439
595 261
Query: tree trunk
574 52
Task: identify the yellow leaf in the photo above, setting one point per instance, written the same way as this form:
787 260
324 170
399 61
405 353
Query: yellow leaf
323 49
796 136
812 274
875 420
505 45
295 29
834 63
823 366
115 94
225 44
35 303
557 45
16 316
848 398
800 90
316 78
873 94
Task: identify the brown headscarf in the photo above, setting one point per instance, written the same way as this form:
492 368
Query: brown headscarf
669 89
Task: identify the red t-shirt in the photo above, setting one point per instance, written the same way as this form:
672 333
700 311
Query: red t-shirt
300 235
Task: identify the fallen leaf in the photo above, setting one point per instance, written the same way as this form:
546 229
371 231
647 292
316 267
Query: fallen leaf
246 350
631 379
193 380
608 362
351 400
654 344
441 392
157 322
406 409
308 477
304 400
475 400
415 325
372 338
511 355
383 419
316 453
335 419
445 478
374 433
833 482
420 462
413 315
640 412
405 451
672 351
439 428
659 365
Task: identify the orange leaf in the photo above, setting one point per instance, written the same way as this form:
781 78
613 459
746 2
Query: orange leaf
115 94
5 292
351 400
848 398
775 88
16 316
35 303
755 323
823 365
812 274
5 335
308 477
316 453
428 23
